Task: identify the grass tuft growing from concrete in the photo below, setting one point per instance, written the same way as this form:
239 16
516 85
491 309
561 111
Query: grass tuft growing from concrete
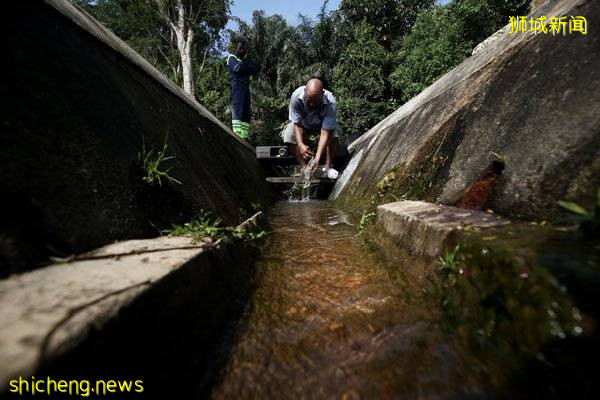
151 164
449 261
365 220
202 225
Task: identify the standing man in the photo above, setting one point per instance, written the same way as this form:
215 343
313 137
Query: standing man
240 70
312 115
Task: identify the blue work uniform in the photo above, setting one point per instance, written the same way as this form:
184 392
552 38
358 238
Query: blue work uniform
239 81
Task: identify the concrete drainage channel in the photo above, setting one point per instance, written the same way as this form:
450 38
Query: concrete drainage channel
183 319
152 310
519 298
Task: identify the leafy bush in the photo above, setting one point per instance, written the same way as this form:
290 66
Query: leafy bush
444 36
434 46
390 19
270 115
360 83
212 88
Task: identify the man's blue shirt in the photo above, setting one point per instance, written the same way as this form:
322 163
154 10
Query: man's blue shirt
322 117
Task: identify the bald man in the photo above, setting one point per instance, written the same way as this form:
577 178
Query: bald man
312 116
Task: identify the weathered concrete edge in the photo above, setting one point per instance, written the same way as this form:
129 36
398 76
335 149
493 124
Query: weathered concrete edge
427 229
71 325
96 29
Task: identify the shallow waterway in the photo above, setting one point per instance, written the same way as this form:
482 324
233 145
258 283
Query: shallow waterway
328 319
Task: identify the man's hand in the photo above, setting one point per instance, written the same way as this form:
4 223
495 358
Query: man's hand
323 140
315 165
304 151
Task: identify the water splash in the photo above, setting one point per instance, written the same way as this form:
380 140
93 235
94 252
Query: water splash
300 191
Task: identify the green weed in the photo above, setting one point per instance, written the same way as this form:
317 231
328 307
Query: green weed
365 220
151 163
449 261
589 220
203 225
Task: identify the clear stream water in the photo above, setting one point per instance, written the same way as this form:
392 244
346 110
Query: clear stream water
300 191
328 319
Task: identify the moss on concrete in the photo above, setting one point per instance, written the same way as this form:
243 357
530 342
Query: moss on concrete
499 298
419 180
511 293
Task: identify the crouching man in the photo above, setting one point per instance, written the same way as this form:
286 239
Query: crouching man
312 115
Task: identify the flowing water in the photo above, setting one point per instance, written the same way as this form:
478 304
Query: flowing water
330 320
300 191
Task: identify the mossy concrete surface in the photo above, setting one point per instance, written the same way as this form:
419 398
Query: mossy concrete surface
164 302
531 102
521 296
83 111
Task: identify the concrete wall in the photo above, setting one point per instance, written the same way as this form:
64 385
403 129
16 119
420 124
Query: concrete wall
533 100
81 107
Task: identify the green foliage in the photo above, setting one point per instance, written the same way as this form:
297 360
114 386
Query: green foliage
360 82
449 261
389 18
212 87
270 116
356 115
433 47
265 39
250 236
443 36
372 54
139 24
576 208
360 68
203 225
151 164
366 218
479 19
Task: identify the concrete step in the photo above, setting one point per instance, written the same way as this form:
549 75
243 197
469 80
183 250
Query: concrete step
158 283
426 229
290 180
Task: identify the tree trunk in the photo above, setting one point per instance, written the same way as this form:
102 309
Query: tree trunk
186 63
184 32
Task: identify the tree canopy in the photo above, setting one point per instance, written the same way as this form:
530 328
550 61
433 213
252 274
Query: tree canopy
373 55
